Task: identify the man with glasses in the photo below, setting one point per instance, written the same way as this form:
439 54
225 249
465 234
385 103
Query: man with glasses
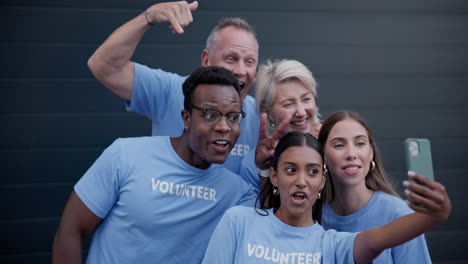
158 199
155 93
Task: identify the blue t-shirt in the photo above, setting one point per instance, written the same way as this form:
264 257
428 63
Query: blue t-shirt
155 207
158 95
248 171
244 236
380 210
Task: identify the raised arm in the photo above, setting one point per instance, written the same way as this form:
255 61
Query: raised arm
111 64
433 208
76 224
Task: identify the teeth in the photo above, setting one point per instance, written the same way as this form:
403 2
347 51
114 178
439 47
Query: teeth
221 142
241 84
299 123
351 168
299 194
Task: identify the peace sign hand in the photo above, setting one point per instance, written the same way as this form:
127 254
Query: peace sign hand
266 144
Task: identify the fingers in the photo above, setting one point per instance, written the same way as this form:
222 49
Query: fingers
417 208
263 133
193 6
281 129
423 196
426 181
178 14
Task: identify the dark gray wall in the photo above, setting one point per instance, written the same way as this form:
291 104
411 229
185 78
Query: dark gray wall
401 64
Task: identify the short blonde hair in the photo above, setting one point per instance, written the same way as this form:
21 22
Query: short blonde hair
270 74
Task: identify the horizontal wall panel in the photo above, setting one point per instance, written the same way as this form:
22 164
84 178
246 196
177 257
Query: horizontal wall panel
349 60
454 181
70 61
402 123
44 258
395 92
446 246
374 60
98 129
457 261
34 201
265 5
58 131
68 165
88 95
46 166
358 28
27 240
393 153
41 96
27 237
62 25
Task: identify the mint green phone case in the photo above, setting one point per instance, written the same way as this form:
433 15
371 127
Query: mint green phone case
418 156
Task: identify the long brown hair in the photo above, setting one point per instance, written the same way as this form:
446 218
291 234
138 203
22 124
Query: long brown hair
376 179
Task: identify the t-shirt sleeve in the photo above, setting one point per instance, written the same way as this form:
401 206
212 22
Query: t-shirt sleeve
248 171
99 187
249 197
153 91
339 247
223 242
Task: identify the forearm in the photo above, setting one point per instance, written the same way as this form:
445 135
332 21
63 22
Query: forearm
116 51
66 249
370 243
111 64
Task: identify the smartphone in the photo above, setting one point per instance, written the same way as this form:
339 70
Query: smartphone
418 156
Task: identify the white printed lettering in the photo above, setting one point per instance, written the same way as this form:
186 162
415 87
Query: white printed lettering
240 150
250 249
266 254
274 255
154 184
317 258
212 194
300 258
200 192
293 257
259 251
165 188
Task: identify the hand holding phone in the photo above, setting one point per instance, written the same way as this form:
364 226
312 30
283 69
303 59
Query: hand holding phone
418 156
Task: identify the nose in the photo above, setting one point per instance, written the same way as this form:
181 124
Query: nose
350 152
300 110
222 125
301 179
239 69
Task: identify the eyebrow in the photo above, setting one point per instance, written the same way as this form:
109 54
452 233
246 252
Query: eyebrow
308 164
209 105
342 138
293 99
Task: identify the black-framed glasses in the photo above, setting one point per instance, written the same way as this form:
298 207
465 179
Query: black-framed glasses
212 116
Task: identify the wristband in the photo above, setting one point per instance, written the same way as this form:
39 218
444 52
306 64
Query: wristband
263 173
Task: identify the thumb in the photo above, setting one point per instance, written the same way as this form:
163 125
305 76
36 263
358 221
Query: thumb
193 6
